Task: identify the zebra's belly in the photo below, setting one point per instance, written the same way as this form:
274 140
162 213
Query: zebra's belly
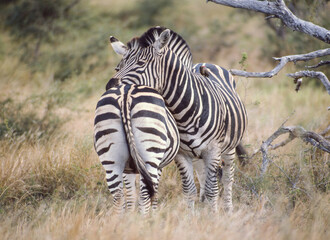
195 145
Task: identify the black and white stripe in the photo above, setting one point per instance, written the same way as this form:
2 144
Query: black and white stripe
134 133
210 116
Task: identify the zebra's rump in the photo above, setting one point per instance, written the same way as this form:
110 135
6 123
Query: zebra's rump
153 127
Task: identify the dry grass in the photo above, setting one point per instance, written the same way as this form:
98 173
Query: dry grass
90 219
52 187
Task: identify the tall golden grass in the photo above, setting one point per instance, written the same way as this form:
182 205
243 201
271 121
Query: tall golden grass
53 187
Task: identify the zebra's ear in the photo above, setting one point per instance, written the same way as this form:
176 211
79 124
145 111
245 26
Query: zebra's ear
162 40
118 46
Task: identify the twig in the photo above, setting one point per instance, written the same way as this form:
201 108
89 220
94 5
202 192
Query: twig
294 186
325 131
283 143
321 63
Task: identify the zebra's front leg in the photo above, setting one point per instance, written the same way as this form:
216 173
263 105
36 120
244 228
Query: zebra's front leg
187 177
129 180
199 167
212 160
228 179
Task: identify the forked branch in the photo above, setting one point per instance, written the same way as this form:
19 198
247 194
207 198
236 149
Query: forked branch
291 58
278 9
282 62
313 138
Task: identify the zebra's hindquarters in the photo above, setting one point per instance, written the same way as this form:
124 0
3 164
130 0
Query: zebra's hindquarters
132 122
111 145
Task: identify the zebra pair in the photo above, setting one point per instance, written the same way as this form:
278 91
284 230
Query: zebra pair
108 141
210 117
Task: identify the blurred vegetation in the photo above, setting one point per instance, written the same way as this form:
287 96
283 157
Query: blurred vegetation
19 122
50 33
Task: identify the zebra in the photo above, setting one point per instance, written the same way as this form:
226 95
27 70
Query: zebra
210 116
134 133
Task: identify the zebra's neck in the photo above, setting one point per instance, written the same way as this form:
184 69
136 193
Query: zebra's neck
181 87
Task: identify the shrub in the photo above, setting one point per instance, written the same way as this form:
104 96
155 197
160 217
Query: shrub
17 121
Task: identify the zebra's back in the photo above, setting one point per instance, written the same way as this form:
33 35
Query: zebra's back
235 121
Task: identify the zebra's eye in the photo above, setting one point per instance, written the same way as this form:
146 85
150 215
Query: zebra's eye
120 65
140 63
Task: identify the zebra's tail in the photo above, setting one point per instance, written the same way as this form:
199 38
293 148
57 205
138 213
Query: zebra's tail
242 154
138 161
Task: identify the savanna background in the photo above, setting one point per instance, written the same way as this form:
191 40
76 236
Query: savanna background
55 60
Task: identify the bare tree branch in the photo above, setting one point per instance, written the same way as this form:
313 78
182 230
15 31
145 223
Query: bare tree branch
312 74
294 132
321 63
279 10
283 61
292 58
283 143
325 131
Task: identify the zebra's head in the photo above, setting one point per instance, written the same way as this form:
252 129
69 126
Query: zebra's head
144 57
138 57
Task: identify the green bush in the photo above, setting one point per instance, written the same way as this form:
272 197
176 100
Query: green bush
16 121
33 22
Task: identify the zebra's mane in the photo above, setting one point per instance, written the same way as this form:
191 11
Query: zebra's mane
176 43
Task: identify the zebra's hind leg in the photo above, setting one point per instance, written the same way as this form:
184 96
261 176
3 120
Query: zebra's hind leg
130 185
115 185
154 203
144 198
228 179
212 160
187 177
114 169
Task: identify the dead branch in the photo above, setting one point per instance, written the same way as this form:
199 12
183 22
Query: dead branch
282 62
279 10
292 58
312 74
321 63
294 132
325 131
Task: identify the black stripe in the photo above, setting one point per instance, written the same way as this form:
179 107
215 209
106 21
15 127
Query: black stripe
107 162
114 185
153 131
152 164
105 116
155 150
100 134
149 114
108 101
148 99
112 178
